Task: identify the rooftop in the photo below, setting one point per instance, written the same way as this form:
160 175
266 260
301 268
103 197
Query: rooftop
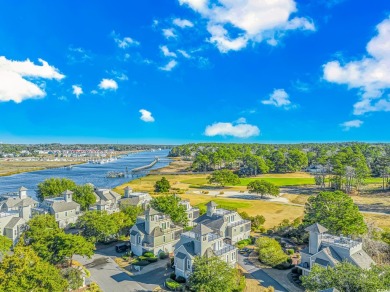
340 241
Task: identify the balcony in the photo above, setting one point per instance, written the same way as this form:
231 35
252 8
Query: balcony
227 248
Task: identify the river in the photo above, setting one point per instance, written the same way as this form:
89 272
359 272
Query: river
86 173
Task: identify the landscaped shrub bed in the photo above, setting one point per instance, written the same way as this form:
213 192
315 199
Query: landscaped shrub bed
172 285
162 255
152 259
243 243
148 254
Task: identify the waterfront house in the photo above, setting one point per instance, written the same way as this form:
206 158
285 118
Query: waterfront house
12 202
201 241
63 208
131 198
328 250
192 213
226 223
12 225
106 200
154 232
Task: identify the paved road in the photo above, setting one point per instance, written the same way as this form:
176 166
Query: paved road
110 277
264 279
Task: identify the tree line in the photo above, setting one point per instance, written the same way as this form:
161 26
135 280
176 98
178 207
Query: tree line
340 166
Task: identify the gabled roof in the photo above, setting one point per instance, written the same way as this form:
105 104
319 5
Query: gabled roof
62 206
14 222
214 222
211 204
157 231
362 259
202 229
317 228
22 189
189 247
322 262
151 211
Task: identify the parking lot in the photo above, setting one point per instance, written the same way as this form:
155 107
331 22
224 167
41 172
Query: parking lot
110 277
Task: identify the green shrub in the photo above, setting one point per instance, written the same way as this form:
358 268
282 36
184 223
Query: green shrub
152 260
243 243
148 254
162 255
180 279
172 276
172 285
141 263
142 258
290 251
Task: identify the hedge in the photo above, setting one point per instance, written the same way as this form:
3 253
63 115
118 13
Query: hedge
172 285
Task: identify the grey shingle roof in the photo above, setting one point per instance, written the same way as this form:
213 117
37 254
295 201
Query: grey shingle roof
189 246
157 231
151 211
22 189
362 259
14 222
322 262
141 227
130 201
202 229
214 222
318 228
17 202
64 206
133 232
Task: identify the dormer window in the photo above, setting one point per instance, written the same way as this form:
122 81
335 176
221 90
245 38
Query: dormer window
204 237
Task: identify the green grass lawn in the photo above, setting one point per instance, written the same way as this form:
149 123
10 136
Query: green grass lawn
229 205
279 181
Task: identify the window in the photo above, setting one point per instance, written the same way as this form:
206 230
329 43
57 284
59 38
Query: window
204 237
227 258
241 229
172 235
66 214
233 256
164 238
188 264
138 239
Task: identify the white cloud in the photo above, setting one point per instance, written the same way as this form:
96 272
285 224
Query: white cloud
167 52
351 124
184 54
77 90
169 33
108 84
125 42
256 20
15 87
241 121
146 116
168 67
183 23
278 98
239 130
370 74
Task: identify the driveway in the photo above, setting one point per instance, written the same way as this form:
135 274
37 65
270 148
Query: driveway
110 277
264 279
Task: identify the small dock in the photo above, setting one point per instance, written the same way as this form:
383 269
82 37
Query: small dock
145 167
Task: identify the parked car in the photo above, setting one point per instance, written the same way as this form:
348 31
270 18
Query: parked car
122 247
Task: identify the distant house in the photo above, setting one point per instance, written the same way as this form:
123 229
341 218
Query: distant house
201 241
131 198
192 213
15 212
328 250
9 203
106 200
64 209
154 232
225 223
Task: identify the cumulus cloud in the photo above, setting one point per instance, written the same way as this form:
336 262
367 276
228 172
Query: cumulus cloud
278 98
167 52
351 124
238 130
168 67
77 90
256 21
146 116
108 84
19 79
184 54
169 33
370 74
183 23
125 42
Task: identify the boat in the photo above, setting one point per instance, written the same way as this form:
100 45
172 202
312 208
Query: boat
115 174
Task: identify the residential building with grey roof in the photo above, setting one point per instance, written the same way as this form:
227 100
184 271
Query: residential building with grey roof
136 199
201 241
192 212
63 208
154 232
328 250
226 223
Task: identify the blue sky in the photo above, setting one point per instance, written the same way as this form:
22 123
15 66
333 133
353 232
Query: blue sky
194 70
